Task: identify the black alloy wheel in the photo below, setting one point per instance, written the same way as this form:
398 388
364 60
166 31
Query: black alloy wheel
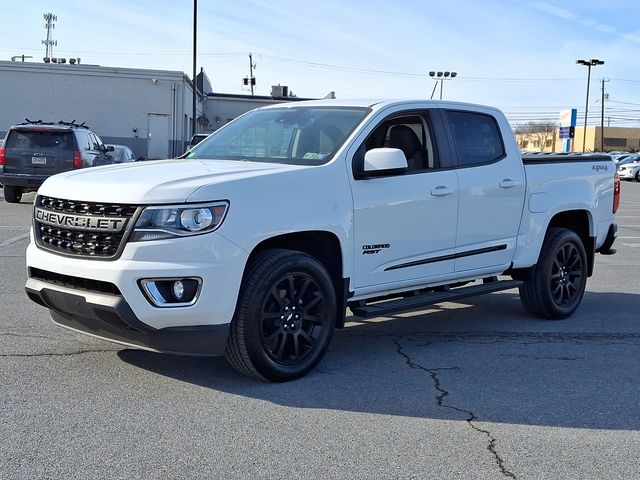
293 315
554 287
567 275
285 316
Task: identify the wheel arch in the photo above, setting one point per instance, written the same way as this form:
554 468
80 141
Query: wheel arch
322 245
581 223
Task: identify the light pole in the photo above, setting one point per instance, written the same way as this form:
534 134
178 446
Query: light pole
195 83
588 63
441 76
602 116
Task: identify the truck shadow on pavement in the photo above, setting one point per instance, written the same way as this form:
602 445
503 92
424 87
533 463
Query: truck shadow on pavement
482 360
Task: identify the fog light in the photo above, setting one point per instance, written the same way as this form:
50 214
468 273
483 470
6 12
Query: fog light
178 290
171 292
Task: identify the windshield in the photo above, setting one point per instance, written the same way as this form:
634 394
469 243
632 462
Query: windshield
295 135
630 159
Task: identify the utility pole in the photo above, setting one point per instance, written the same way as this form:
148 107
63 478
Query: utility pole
602 118
252 80
49 18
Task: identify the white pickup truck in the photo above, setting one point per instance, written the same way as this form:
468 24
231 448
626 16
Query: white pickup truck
255 243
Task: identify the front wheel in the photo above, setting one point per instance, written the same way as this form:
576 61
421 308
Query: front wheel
555 286
285 316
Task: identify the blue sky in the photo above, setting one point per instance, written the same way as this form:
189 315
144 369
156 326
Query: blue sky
517 55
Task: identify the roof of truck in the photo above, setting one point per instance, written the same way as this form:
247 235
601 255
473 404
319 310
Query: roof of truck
377 104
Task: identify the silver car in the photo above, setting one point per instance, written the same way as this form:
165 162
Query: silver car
629 168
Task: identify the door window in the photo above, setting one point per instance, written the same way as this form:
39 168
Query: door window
477 138
409 133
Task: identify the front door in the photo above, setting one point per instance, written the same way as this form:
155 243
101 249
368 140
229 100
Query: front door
404 224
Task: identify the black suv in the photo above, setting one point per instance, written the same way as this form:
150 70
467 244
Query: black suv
35 150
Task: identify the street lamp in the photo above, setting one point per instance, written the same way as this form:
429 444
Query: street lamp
588 63
441 76
195 83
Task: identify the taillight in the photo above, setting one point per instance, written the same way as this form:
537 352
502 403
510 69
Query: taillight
616 193
77 159
2 156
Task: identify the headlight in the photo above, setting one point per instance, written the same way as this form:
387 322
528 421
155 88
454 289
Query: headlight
159 223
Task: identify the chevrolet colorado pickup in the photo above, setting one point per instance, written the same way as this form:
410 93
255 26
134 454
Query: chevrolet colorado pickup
255 243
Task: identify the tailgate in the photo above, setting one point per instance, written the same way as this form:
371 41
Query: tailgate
39 152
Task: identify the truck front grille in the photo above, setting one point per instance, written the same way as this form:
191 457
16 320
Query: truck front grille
81 228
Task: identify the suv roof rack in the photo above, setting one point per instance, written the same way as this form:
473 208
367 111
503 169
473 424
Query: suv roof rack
72 123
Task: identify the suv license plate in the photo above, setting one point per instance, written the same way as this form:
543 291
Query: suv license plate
39 160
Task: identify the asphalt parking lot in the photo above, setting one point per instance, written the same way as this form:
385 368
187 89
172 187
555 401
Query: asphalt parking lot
477 389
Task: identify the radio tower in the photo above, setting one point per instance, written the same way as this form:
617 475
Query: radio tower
49 18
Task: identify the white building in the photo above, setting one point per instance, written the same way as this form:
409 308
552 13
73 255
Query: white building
148 110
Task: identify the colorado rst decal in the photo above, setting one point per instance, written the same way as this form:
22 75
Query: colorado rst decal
373 249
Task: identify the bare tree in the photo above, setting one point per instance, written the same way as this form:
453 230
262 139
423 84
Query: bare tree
541 132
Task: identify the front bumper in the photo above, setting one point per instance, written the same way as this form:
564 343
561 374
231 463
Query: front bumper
109 317
627 174
125 314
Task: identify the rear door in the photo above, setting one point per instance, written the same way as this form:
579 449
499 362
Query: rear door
491 191
39 151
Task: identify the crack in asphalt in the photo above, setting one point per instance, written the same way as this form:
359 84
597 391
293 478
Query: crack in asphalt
48 354
533 357
29 335
440 397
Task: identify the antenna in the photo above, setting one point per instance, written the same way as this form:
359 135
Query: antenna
49 18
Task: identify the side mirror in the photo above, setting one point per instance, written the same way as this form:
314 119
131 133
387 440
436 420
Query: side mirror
384 161
109 149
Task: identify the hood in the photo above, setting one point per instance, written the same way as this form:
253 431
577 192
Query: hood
154 181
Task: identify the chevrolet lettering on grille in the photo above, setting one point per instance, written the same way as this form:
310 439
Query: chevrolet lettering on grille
80 222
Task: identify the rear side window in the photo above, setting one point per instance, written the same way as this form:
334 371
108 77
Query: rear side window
84 140
477 138
35 140
95 145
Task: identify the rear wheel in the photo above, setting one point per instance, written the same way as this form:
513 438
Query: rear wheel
285 316
12 194
555 286
638 176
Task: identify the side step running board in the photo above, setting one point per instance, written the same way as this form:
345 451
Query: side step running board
429 298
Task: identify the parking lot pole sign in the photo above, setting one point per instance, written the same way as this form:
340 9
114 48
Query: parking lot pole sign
568 120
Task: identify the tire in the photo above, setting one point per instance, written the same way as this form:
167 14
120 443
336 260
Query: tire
285 316
12 194
638 176
555 286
